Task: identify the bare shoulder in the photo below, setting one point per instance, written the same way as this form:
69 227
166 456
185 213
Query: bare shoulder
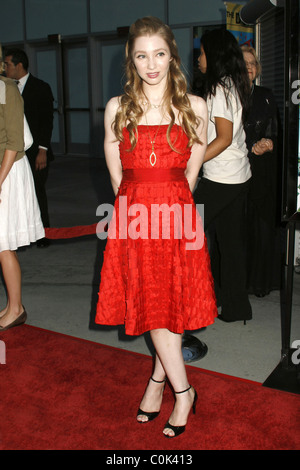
198 104
114 102
112 105
111 109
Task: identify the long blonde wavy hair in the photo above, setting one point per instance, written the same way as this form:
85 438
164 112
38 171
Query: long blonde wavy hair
130 111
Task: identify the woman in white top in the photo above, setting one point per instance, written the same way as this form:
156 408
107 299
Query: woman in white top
226 169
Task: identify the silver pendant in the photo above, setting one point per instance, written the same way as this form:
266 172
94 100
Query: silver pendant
152 159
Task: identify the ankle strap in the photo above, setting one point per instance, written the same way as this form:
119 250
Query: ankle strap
186 390
157 381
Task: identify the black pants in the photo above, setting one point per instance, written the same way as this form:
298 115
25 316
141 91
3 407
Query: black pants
225 226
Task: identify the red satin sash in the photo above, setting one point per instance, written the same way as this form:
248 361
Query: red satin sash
153 175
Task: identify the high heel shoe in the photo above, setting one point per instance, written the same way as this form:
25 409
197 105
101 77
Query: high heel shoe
180 429
151 415
18 321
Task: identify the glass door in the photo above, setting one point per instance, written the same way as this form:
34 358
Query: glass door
76 91
83 75
65 67
108 66
48 68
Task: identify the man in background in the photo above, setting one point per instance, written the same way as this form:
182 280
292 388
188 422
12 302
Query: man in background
38 108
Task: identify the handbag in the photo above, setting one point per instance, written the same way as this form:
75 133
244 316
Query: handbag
28 139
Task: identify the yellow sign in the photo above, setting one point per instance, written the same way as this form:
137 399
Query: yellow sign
242 32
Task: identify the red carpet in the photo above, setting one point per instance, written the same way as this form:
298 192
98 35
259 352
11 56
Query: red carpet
70 232
63 393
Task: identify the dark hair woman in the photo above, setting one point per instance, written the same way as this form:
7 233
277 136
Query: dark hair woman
224 60
226 170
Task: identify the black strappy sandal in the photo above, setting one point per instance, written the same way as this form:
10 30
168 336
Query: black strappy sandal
151 415
180 429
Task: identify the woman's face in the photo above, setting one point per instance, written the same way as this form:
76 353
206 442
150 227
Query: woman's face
151 56
202 63
251 65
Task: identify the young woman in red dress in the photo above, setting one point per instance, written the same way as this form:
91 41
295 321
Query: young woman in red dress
157 278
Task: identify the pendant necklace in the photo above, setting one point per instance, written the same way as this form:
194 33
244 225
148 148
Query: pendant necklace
148 103
152 157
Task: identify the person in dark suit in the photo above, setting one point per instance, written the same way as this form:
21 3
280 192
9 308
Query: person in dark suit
38 108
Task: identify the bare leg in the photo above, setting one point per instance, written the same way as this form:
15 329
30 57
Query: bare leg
169 361
153 396
168 348
12 277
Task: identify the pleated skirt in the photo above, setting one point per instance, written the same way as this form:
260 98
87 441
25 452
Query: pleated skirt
20 219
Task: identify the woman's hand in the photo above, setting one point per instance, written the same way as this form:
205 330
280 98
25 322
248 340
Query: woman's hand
262 146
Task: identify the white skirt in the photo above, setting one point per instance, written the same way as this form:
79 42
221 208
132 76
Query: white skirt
20 218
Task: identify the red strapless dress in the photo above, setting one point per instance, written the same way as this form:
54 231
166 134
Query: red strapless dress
156 269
